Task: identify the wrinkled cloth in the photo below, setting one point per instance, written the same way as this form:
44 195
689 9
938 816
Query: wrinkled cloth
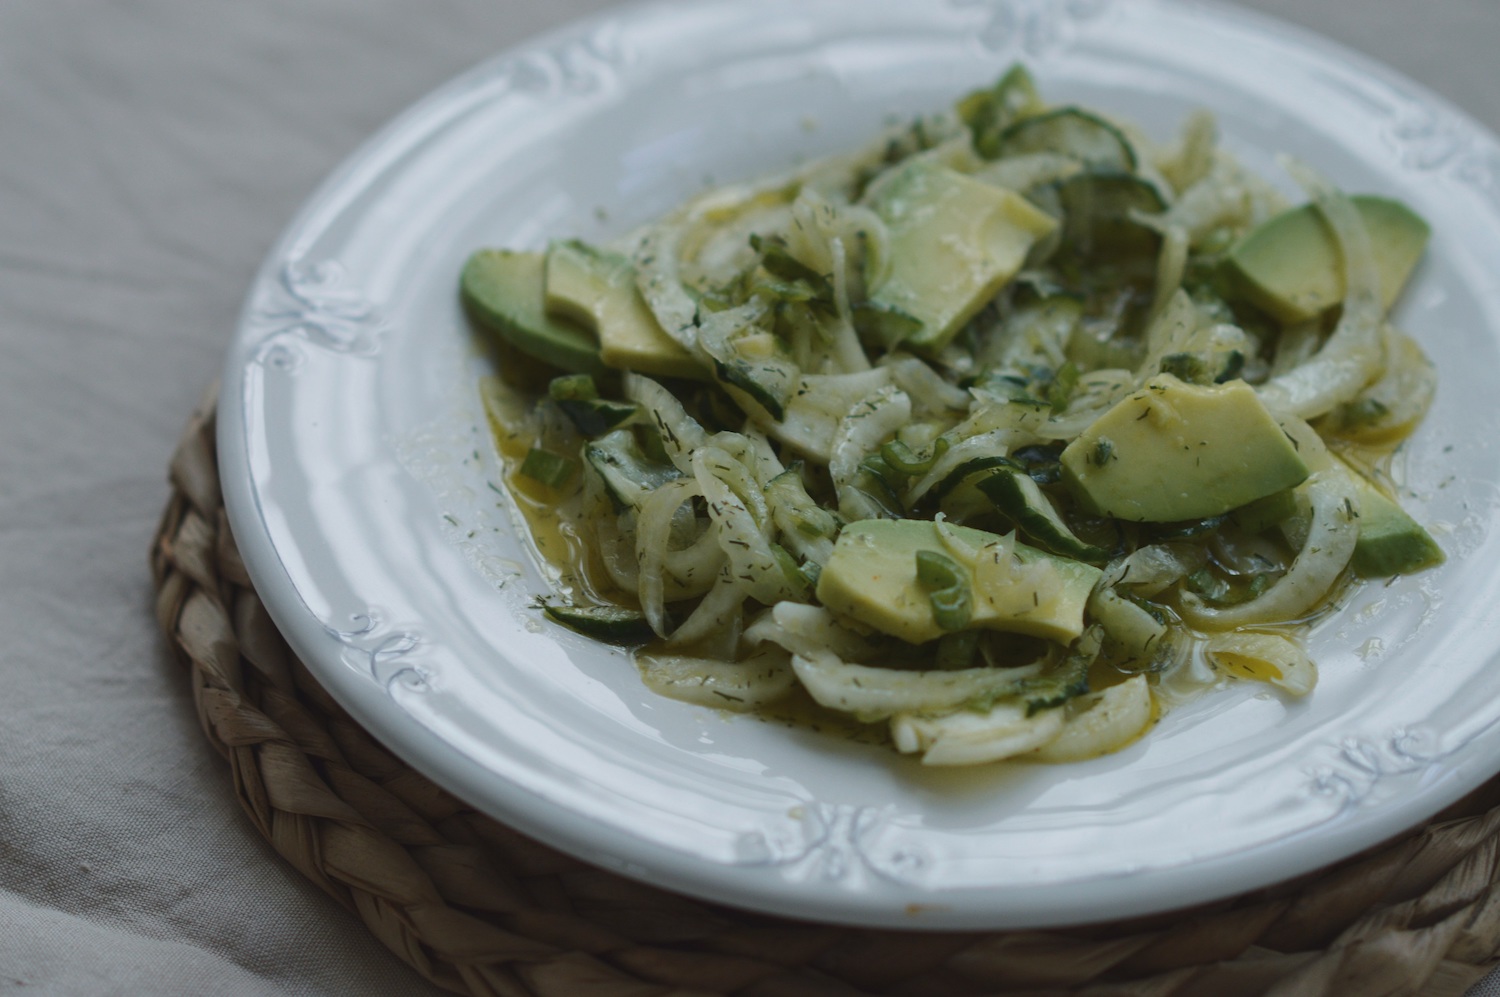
150 152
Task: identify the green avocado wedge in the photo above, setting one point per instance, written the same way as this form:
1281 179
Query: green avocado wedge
954 243
504 294
1173 452
597 290
873 578
1290 265
1390 541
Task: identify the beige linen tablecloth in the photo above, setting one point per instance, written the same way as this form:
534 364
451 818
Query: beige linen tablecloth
150 151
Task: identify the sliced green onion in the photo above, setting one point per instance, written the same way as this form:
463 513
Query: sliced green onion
1210 586
947 588
572 388
552 470
1064 383
900 457
956 650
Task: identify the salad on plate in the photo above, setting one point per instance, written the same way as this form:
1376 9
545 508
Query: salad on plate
993 439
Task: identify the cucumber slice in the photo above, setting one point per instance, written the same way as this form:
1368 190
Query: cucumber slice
796 510
579 399
748 360
1097 217
1018 497
884 325
1070 132
596 416
629 475
1061 681
874 485
966 471
779 262
769 384
1053 689
1068 680
989 112
610 624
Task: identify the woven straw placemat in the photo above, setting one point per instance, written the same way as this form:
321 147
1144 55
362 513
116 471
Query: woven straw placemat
480 909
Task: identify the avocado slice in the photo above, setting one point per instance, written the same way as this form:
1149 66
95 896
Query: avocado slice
503 293
1174 451
597 290
1290 266
871 578
954 243
1390 541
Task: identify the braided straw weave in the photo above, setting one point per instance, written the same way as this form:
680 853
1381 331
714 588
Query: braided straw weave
479 909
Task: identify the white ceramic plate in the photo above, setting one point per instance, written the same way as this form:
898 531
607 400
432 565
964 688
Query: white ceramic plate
360 481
